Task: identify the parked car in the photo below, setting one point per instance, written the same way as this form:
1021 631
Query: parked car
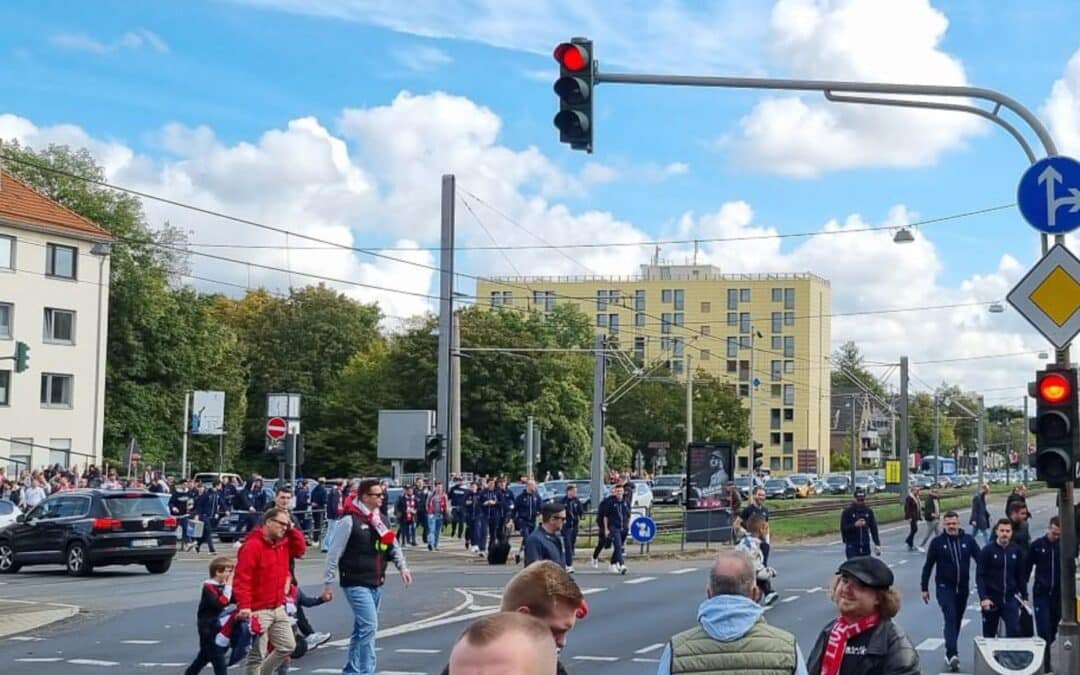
804 484
779 488
866 483
669 488
743 484
87 528
838 484
207 478
9 512
821 487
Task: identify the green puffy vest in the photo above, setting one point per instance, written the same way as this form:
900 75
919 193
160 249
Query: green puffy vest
763 650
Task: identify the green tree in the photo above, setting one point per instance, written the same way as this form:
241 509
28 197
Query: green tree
849 372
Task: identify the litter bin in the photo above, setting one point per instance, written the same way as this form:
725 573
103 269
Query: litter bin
1023 656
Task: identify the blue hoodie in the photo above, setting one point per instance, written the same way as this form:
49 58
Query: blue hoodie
727 618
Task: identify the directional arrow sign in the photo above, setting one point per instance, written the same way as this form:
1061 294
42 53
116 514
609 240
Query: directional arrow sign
1049 195
1049 296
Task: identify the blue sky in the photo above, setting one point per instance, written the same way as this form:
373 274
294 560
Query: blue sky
200 101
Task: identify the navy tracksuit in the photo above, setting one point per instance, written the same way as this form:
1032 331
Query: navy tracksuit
999 576
526 509
1045 558
574 510
491 518
506 511
457 509
616 515
857 539
952 556
209 508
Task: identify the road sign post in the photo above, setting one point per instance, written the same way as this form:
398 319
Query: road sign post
643 529
1049 195
1049 296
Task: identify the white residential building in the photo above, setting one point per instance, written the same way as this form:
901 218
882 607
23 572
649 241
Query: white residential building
54 296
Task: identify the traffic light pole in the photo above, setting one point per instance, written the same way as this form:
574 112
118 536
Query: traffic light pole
854 437
599 385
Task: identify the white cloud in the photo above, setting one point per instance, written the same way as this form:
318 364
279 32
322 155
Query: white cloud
422 58
1062 108
861 40
135 39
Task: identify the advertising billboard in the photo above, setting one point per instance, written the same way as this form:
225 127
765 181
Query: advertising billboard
208 413
709 467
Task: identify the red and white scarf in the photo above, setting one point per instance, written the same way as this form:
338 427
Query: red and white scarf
842 631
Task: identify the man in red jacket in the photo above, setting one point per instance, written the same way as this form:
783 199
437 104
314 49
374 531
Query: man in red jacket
259 583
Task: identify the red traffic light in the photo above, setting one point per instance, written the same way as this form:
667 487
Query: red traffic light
572 57
1054 388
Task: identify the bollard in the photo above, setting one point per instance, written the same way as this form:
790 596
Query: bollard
1023 656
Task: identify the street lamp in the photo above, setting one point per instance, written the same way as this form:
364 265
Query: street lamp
996 308
903 236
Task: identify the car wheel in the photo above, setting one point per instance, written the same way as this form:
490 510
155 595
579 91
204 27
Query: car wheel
77 560
159 566
7 559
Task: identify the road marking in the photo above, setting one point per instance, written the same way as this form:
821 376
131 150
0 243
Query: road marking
176 664
590 591
92 662
608 659
381 672
650 648
640 580
412 650
140 642
902 562
640 660
40 659
685 570
930 644
790 598
964 622
25 638
815 589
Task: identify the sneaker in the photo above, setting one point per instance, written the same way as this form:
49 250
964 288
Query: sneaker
474 549
316 639
771 598
623 569
954 663
570 569
920 549
430 547
595 563
614 569
911 549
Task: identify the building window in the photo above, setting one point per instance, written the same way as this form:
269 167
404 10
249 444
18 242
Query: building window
744 371
601 300
789 394
744 390
744 322
7 253
744 342
789 367
775 370
706 307
789 345
777 294
789 442
639 348
744 295
500 298
774 390
665 296
601 320
639 300
733 298
665 323
60 452
788 463
677 345
680 318
774 438
705 329
680 299
733 318
706 354
676 365
777 319
59 326
613 323
789 414
789 298
61 261
665 344
6 310
5 387
20 454
639 319
732 366
732 346
774 464
742 462
496 298
56 390
774 418
789 319
615 297
777 342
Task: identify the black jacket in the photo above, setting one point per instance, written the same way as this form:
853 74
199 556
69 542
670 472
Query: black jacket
980 515
886 650
574 510
999 573
952 556
1045 558
859 537
543 546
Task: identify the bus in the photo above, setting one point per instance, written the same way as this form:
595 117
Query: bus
946 466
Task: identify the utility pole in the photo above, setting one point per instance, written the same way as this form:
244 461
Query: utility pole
455 397
854 440
596 482
902 455
689 403
529 447
446 320
186 426
937 437
981 438
750 452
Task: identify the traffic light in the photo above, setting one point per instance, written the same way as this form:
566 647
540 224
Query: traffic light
1055 425
575 89
756 459
22 357
433 447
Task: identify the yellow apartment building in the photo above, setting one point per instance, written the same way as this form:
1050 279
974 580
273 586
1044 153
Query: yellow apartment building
769 332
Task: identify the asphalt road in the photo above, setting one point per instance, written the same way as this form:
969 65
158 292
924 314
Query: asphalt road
132 621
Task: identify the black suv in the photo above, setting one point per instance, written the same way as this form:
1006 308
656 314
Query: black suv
81 529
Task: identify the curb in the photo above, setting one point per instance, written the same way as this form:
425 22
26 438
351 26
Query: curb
38 615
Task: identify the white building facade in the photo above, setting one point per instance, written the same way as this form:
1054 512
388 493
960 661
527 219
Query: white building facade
54 295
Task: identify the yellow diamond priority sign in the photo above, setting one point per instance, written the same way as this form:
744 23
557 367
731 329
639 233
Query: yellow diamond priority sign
1049 296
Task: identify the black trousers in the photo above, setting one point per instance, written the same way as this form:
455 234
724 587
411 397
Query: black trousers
913 528
209 654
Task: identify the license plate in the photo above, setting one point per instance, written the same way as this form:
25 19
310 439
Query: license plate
144 543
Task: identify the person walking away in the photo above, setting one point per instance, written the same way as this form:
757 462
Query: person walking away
980 515
405 510
357 560
1044 559
262 577
303 507
318 508
423 494
931 514
999 578
208 509
437 510
912 508
574 511
864 639
457 508
952 554
526 509
506 508
493 514
858 527
731 634
1019 494
1018 515
614 514
754 533
471 511
216 596
546 542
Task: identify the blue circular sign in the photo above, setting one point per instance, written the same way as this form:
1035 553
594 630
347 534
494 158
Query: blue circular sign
643 529
1049 195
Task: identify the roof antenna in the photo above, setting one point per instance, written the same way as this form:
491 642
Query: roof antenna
695 252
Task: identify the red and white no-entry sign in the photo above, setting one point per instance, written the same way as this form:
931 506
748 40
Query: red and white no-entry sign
276 428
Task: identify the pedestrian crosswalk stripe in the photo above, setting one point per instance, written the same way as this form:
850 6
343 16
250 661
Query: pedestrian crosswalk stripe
25 638
640 580
92 662
930 644
650 648
413 650
140 642
641 660
964 622
596 658
162 665
684 570
40 659
790 598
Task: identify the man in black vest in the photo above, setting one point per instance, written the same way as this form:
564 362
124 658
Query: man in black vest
361 545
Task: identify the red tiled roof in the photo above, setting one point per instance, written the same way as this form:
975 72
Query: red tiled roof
19 203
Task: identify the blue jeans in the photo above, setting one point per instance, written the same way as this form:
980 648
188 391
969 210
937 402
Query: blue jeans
434 524
365 606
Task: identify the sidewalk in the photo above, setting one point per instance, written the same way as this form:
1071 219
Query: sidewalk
21 616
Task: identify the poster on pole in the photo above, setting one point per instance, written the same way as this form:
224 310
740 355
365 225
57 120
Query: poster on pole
709 466
208 413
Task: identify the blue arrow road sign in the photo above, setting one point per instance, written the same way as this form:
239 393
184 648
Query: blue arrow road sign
643 529
1049 195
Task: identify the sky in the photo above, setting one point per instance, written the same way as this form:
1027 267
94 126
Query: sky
335 119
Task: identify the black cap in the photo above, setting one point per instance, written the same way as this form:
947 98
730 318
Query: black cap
860 492
871 572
